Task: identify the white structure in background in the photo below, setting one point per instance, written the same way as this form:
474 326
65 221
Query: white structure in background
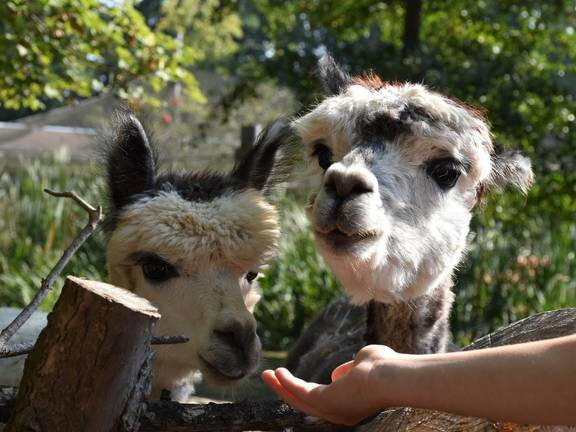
11 368
21 139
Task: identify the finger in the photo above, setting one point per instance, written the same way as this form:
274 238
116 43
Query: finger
272 381
309 406
342 370
298 387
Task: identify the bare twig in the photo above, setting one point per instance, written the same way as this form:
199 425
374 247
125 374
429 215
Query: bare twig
169 340
95 216
16 350
25 348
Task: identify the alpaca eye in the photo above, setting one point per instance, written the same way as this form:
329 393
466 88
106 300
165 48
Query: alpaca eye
156 269
250 276
445 172
324 155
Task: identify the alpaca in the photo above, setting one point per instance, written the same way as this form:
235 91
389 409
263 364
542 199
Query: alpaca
400 169
193 244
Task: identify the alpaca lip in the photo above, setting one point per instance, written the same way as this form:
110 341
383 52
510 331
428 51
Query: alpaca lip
219 374
340 241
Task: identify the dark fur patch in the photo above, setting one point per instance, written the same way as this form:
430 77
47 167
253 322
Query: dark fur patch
415 113
382 125
130 161
131 167
270 160
335 79
196 187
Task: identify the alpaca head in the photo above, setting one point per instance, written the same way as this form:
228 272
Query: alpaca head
400 170
193 244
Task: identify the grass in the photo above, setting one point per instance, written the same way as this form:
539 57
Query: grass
520 260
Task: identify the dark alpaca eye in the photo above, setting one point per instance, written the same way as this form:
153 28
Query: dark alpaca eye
156 270
250 276
445 172
324 155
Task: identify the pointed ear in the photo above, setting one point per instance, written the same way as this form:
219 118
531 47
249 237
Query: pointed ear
333 76
270 160
510 168
130 161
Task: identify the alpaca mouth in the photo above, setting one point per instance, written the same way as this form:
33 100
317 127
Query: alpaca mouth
341 242
219 375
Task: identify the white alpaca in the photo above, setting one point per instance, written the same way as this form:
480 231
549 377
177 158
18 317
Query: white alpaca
400 169
193 244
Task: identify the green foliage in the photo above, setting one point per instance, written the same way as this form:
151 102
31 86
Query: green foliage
35 228
297 285
521 258
513 58
65 49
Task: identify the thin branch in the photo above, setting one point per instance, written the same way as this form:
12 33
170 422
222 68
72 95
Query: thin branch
25 348
16 350
95 213
169 340
95 216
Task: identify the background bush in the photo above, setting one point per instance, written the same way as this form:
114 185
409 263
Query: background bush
515 59
520 260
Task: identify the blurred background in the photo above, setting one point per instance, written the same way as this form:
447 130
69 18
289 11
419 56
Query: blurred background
199 70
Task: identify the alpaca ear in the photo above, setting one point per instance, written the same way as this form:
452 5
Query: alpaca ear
510 168
270 160
334 78
130 161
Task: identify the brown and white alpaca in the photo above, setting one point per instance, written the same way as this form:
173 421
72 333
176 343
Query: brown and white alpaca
400 169
192 244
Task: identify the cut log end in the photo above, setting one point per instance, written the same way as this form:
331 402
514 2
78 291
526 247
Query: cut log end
117 295
89 369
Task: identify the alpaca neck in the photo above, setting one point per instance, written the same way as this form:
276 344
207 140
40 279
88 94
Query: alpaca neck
416 326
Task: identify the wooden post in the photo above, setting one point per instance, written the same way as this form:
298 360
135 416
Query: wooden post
90 368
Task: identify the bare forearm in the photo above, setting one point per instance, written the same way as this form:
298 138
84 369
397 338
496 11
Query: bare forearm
528 383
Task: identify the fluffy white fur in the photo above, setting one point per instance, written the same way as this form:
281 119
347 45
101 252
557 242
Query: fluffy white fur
415 233
213 245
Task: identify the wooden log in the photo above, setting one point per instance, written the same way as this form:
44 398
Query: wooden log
275 415
89 370
272 415
545 325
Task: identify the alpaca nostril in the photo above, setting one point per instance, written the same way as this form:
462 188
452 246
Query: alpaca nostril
237 335
227 337
344 184
360 188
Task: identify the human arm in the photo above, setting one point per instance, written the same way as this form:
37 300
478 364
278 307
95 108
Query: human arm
527 383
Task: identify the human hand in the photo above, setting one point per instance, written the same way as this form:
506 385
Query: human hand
356 391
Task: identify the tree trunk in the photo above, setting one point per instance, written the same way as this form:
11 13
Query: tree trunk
412 18
90 368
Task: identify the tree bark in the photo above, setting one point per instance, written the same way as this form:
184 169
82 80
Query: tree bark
90 368
412 19
270 415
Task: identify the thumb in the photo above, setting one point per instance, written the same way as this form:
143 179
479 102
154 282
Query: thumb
342 370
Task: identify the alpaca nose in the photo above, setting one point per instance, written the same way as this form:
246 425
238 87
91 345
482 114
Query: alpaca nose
342 181
240 335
